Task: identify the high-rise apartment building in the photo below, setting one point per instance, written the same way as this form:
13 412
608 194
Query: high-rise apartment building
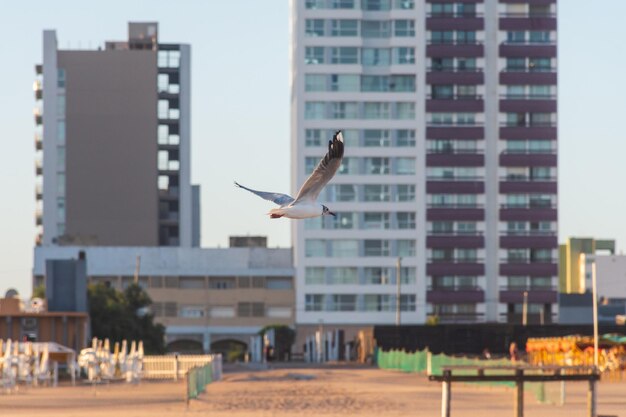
113 143
449 116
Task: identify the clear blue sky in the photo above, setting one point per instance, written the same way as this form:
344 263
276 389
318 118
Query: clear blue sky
240 111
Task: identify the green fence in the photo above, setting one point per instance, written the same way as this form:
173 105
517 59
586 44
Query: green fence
424 361
197 380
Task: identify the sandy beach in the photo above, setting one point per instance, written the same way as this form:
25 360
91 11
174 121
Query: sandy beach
329 391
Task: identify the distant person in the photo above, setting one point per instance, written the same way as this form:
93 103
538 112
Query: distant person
486 354
513 352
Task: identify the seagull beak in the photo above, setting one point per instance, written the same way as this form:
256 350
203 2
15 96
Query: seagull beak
332 214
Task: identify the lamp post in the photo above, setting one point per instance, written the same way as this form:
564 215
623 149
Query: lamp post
594 291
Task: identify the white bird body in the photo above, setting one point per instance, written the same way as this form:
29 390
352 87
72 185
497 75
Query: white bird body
305 204
303 210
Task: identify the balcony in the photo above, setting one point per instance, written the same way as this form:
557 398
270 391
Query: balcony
527 103
38 191
461 50
451 75
528 159
455 294
547 267
521 77
38 167
528 131
547 186
455 267
516 213
455 212
455 186
169 194
520 50
527 21
39 69
451 21
455 103
437 131
534 241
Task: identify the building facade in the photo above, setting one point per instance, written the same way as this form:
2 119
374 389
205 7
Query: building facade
449 116
113 143
207 299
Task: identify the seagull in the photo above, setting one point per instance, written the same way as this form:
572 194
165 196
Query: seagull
305 204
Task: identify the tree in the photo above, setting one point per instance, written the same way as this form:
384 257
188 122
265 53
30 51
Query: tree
284 337
39 291
120 315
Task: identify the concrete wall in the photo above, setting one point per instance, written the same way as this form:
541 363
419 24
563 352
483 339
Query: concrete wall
111 156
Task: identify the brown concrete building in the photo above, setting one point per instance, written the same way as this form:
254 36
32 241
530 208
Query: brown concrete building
113 143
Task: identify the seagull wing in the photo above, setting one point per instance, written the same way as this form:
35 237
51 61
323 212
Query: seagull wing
324 171
280 199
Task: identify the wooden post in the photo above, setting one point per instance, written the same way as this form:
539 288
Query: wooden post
519 393
446 394
591 399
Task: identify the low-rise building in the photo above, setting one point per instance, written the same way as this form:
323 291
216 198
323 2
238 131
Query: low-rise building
208 299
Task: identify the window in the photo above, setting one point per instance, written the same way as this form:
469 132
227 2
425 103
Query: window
349 166
222 283
466 91
466 228
516 200
518 36
313 302
314 55
406 247
540 119
193 312
377 302
315 248
374 83
404 55
313 137
375 220
343 221
375 29
405 220
516 228
343 276
250 309
443 227
442 37
343 4
539 91
314 27
376 110
539 36
314 223
61 78
376 5
61 209
517 255
376 276
539 64
375 56
466 255
344 55
61 132
406 138
442 64
466 64
344 82
376 138
405 192
405 166
465 37
314 110
314 82
344 248
515 91
309 164
344 110
376 166
342 192
407 302
344 302
314 275
405 111
344 27
442 9
376 247
515 64
60 184
402 83
442 91
540 173
404 28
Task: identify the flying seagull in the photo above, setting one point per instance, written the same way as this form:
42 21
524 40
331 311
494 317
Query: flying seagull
305 204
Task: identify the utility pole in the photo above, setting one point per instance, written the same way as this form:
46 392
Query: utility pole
137 265
594 290
398 288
